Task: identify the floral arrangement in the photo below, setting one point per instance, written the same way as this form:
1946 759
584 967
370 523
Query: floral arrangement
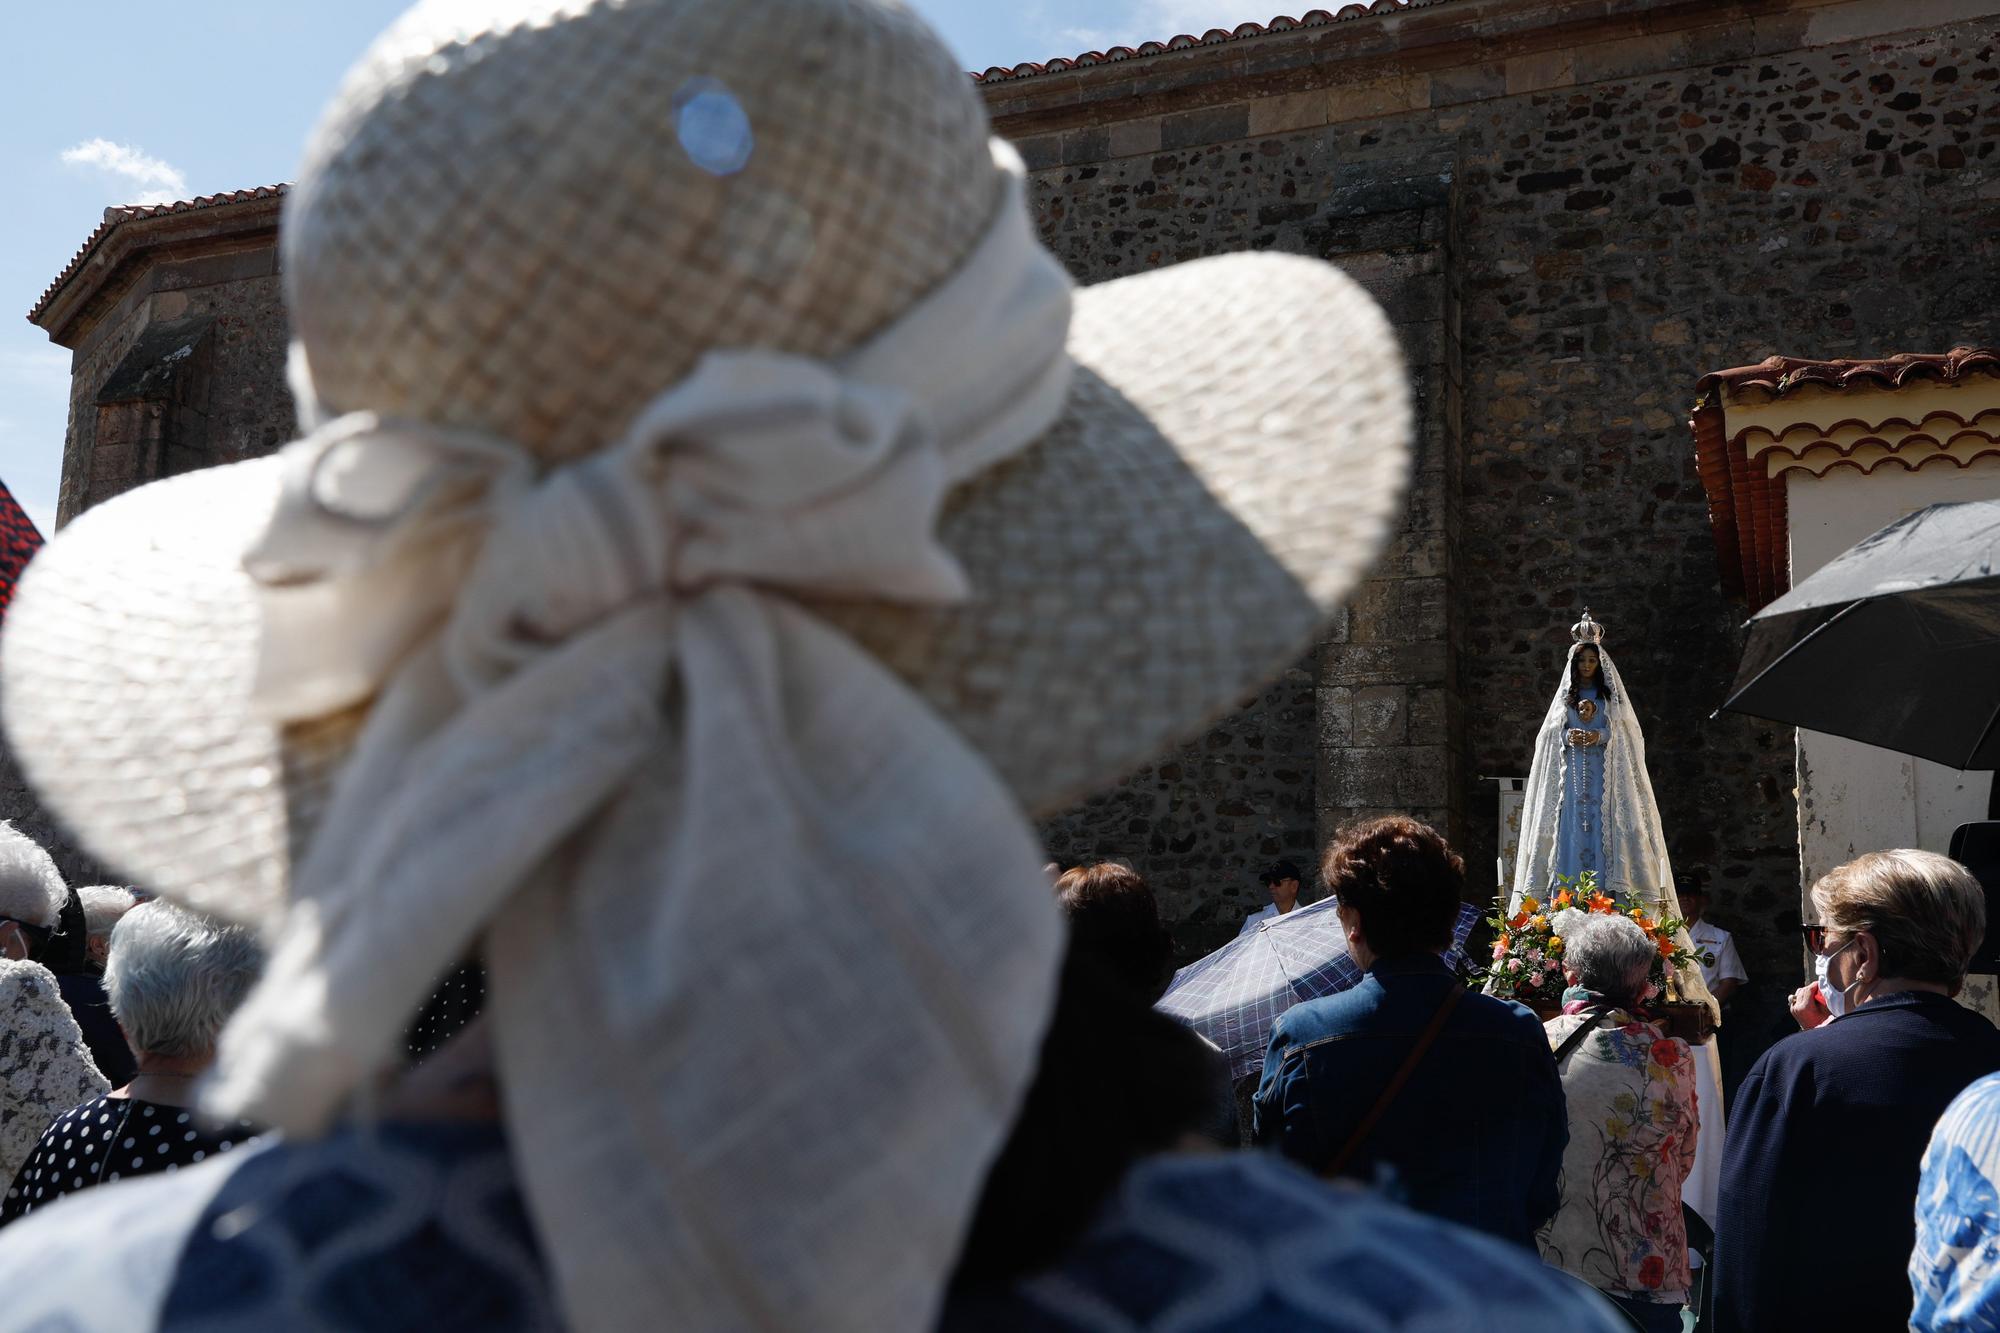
1527 950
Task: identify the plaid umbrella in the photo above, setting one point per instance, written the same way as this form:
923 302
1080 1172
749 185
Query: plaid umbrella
1234 995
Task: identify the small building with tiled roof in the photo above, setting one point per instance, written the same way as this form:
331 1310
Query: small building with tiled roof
1802 458
1572 211
162 303
1760 432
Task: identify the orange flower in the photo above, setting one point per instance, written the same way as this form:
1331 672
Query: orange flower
1505 939
1600 903
1520 920
1563 899
1528 904
1666 946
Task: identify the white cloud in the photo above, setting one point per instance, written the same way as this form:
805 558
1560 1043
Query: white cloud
1086 39
1198 16
156 181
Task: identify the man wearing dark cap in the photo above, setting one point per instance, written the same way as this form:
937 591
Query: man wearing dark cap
1281 880
1725 973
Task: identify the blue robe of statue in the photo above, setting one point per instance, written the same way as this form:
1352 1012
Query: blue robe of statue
1580 822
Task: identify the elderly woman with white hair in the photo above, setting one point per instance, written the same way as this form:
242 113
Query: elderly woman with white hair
44 1065
103 907
1827 1135
174 978
1630 1093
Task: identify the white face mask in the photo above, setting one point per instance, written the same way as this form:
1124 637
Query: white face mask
1834 997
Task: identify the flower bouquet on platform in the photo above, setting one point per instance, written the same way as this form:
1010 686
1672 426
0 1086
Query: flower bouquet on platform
1528 953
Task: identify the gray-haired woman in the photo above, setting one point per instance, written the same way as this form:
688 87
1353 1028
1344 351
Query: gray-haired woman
1827 1135
174 978
1630 1093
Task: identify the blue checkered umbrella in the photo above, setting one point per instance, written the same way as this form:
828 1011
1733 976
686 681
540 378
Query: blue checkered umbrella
1234 995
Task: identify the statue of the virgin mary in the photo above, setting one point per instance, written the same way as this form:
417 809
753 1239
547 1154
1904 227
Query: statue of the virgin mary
1589 807
1589 803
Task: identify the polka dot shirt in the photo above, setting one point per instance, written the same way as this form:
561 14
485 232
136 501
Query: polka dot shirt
455 1003
112 1138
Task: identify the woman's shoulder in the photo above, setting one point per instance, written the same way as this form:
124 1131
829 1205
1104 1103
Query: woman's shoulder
20 977
29 991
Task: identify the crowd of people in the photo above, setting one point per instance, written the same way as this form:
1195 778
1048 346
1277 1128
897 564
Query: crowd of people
102 1057
1425 1108
1571 1138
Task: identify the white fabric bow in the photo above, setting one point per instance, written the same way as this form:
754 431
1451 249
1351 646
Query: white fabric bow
769 949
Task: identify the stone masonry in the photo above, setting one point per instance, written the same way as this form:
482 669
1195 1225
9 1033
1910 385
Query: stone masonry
1572 210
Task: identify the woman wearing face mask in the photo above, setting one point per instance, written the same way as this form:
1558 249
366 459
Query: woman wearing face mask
1819 1175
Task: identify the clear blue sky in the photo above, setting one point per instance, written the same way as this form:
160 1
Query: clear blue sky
115 101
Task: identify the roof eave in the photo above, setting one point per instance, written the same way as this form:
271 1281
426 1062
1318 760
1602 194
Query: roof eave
108 261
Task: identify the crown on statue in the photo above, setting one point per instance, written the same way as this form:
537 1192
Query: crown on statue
1587 630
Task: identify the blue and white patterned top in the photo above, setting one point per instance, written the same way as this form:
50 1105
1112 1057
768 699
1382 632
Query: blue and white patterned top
1955 1268
1225 1241
397 1229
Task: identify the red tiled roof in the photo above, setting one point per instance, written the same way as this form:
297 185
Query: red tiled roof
1746 504
1779 375
1214 36
19 540
130 212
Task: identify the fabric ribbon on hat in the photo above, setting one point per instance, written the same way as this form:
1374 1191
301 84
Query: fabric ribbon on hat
770 952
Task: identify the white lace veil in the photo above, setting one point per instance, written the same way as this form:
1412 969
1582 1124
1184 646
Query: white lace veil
1635 867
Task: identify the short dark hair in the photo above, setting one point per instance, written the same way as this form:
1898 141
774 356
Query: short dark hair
1114 921
1278 871
1402 879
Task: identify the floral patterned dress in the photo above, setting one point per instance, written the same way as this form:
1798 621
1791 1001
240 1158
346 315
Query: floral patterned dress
1631 1098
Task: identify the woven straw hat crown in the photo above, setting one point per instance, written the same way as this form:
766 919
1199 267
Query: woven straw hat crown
530 218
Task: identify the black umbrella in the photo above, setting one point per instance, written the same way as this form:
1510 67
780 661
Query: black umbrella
1895 642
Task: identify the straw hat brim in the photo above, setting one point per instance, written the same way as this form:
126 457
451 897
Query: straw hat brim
1230 461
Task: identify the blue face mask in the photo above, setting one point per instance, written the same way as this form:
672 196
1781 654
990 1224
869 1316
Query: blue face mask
1834 997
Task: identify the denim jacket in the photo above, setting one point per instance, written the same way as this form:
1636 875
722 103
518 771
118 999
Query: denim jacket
1476 1135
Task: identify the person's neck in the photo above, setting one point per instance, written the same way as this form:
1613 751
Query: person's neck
1285 907
1886 986
167 1079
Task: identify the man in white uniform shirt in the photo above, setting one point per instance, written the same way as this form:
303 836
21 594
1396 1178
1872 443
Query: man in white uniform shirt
1726 973
1281 881
1704 1182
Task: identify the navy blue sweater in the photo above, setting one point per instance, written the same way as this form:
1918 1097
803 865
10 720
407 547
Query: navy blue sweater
1819 1174
1477 1134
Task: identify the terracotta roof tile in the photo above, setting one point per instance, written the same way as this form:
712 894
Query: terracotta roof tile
19 540
1746 504
1313 18
1777 376
130 212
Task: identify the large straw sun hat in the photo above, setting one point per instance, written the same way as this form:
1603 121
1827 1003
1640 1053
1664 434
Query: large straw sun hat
499 225
521 228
